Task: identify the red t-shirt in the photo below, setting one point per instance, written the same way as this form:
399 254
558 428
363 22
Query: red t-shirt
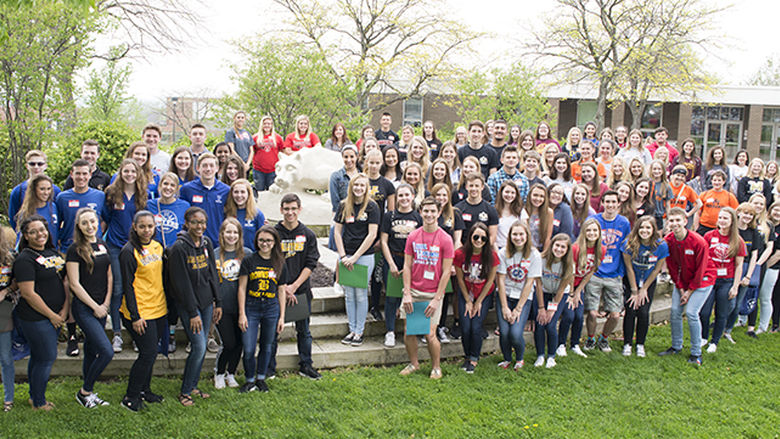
719 251
266 153
472 271
590 261
296 144
428 251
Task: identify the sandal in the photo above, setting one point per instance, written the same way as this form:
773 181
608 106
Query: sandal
409 369
186 400
436 374
7 406
46 407
198 392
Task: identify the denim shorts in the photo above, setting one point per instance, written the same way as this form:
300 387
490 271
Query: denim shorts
608 288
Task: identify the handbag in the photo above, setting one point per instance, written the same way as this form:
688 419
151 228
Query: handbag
750 301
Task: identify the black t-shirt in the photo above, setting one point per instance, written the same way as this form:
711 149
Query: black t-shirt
433 148
262 280
227 273
384 138
450 226
498 150
46 269
380 189
355 229
485 155
398 226
461 194
753 241
774 236
95 283
483 212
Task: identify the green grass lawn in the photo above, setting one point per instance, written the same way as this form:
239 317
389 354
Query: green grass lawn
735 394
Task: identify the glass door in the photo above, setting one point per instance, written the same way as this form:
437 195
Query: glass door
724 134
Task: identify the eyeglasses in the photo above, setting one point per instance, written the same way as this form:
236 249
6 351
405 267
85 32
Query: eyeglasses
36 164
482 238
197 223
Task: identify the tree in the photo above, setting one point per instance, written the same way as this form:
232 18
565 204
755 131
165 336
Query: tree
107 92
44 46
284 80
632 49
396 46
509 94
768 74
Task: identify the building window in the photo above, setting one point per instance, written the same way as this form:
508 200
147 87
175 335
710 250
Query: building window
717 126
586 112
770 133
413 111
651 118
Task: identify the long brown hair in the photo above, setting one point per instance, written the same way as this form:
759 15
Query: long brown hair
447 180
634 240
735 241
567 261
582 245
239 244
146 169
30 197
116 190
580 213
189 174
516 206
80 240
486 254
447 211
544 211
525 250
277 257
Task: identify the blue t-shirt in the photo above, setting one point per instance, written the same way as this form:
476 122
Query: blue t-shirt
68 203
646 259
211 200
49 211
250 226
151 188
169 219
119 220
613 234
16 199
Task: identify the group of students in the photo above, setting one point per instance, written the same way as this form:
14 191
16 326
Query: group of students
148 249
554 236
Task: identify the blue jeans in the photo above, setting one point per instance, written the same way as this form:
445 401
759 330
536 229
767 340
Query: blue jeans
42 338
262 313
303 339
197 354
356 299
719 297
692 309
471 328
116 293
734 314
7 363
511 335
262 180
548 333
572 318
97 348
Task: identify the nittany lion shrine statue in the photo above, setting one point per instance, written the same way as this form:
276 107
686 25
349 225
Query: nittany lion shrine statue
306 173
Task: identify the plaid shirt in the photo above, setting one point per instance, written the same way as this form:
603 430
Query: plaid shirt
495 181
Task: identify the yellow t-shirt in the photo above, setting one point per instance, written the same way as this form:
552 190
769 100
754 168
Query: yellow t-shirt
148 284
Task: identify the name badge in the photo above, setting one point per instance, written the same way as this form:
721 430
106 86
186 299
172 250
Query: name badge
300 238
73 203
689 252
350 219
40 259
466 217
428 275
435 248
710 200
607 259
722 272
556 223
197 198
271 274
653 259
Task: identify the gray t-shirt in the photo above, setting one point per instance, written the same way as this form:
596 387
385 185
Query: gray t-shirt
518 270
551 277
160 161
242 142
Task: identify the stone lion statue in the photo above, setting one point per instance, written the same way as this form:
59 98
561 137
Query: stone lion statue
307 169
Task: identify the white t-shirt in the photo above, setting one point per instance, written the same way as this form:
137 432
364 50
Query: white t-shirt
517 270
160 161
504 223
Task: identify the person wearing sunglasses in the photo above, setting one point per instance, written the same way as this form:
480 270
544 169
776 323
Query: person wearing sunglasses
36 164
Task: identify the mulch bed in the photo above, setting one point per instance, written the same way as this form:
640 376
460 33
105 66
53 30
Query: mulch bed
321 276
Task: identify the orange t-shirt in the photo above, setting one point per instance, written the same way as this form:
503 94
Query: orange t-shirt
683 195
713 201
576 170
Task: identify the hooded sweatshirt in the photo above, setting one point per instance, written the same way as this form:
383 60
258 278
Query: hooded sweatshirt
299 246
193 274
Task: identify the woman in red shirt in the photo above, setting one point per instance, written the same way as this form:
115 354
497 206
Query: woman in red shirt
475 267
265 154
302 137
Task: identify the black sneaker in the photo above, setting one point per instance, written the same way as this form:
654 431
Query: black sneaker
603 344
261 386
347 339
465 364
270 375
171 344
132 404
376 314
670 351
470 367
484 334
73 347
455 331
590 344
357 340
309 372
693 359
247 387
151 397
752 334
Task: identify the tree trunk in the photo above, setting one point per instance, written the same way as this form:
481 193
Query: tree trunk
601 103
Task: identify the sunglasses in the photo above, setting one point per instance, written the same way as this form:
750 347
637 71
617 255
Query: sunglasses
38 164
482 238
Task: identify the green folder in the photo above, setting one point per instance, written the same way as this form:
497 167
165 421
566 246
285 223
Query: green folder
357 278
416 322
394 286
448 288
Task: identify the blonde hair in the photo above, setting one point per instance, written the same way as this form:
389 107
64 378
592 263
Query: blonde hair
348 204
239 244
308 130
7 241
471 158
419 188
231 208
762 218
447 211
611 178
582 245
425 160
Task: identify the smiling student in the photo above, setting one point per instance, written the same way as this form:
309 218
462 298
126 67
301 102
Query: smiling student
208 193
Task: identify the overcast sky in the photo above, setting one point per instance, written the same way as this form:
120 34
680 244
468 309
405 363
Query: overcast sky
749 27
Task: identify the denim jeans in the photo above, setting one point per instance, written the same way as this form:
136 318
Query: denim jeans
548 333
356 299
719 297
7 363
471 328
511 335
637 318
42 338
731 320
692 309
97 348
197 354
263 180
572 318
141 371
303 339
765 299
116 292
262 313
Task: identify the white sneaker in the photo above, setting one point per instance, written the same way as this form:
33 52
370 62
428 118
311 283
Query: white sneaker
712 348
760 331
703 343
640 351
443 335
728 337
116 344
390 339
231 381
626 350
539 361
550 362
504 364
219 381
577 350
561 351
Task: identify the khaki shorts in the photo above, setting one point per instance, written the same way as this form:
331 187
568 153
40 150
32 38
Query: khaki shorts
608 288
419 296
